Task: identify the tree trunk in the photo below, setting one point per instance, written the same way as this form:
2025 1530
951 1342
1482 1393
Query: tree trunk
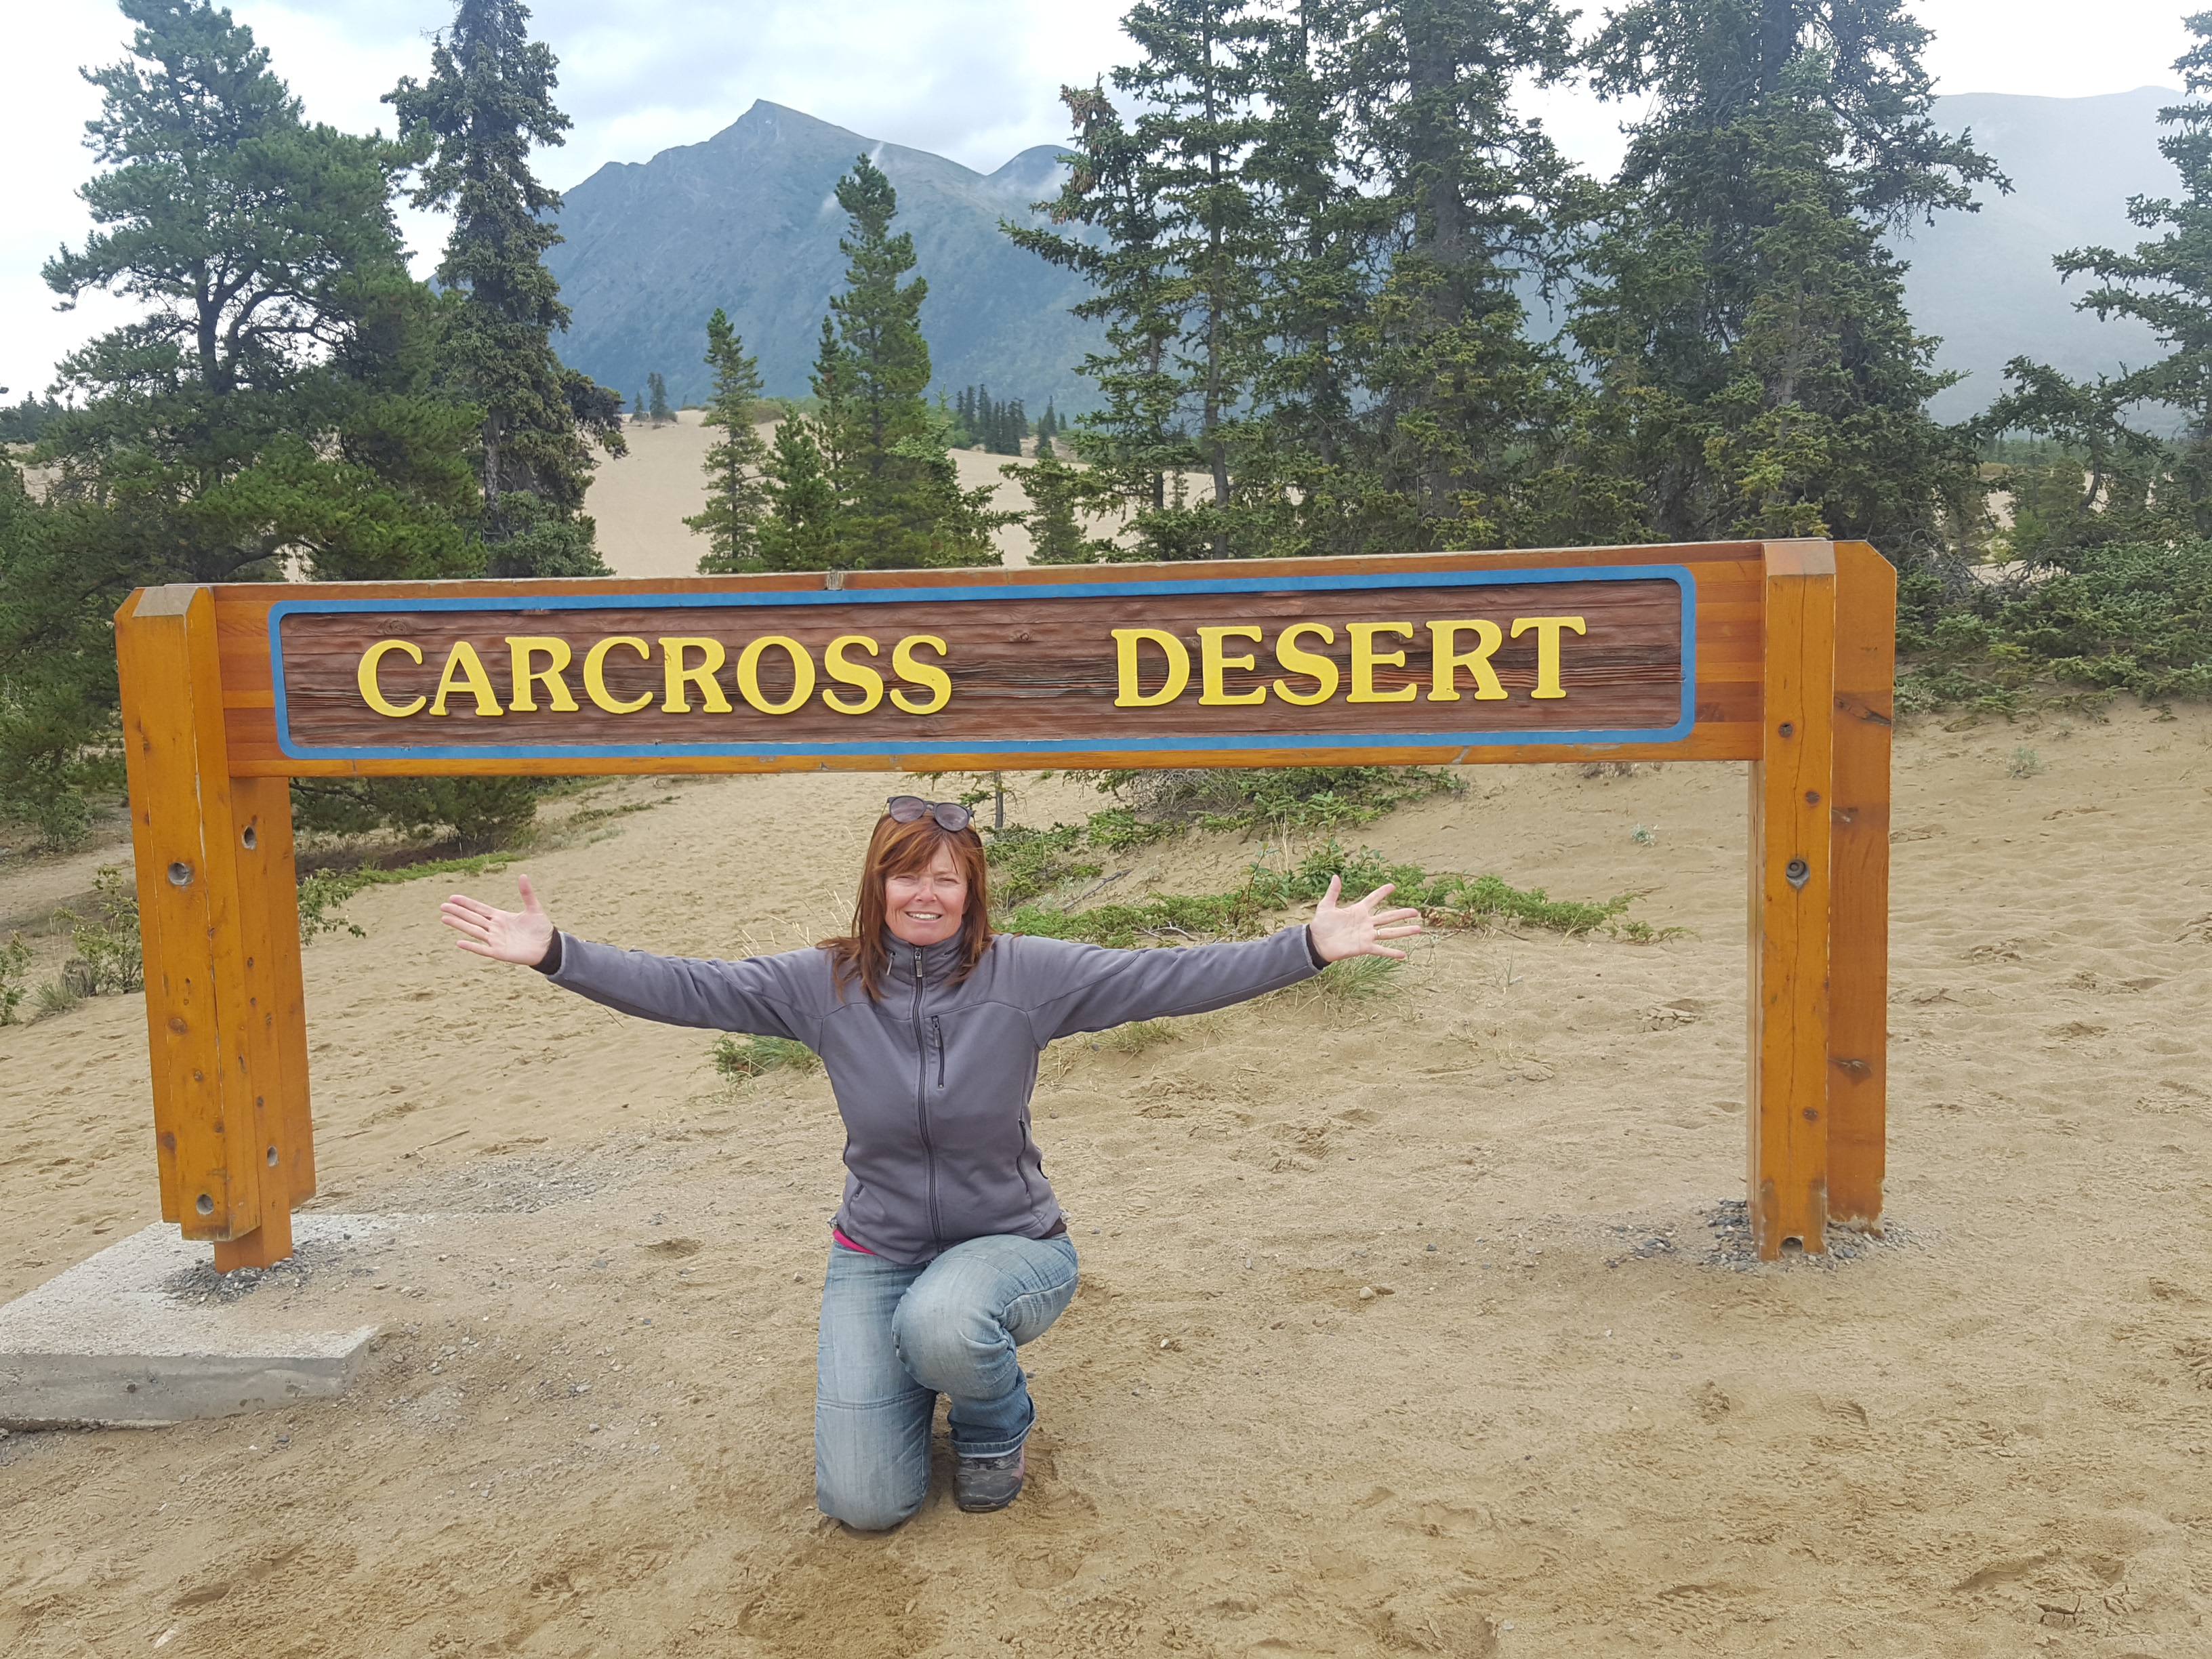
1441 233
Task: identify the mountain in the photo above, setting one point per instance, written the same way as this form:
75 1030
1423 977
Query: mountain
1982 281
749 220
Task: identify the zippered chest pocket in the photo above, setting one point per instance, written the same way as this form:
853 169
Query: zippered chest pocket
937 1042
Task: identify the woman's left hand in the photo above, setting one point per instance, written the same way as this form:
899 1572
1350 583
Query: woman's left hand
1339 930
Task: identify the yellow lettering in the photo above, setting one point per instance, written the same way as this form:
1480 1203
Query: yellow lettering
852 673
1126 641
1548 629
520 651
371 693
1295 661
1450 659
1212 663
802 674
1365 659
676 676
920 673
595 674
464 671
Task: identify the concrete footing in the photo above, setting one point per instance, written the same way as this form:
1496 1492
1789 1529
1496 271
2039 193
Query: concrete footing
147 1332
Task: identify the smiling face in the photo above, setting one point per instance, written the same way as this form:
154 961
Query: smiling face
926 908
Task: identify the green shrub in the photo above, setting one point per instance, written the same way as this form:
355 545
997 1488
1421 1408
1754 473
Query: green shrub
322 896
480 814
1027 863
15 963
1139 1035
59 996
107 940
739 1059
1360 979
1446 898
2124 617
1280 799
1151 806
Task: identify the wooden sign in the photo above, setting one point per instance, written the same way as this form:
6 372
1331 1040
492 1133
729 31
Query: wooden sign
1777 654
1303 661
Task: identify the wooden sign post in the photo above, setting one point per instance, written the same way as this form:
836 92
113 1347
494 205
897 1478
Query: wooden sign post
1780 653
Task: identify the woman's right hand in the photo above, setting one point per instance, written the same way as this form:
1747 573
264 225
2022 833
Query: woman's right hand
523 936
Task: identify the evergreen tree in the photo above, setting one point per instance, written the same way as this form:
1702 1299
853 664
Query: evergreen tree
1757 374
1312 245
801 532
882 360
1458 403
274 402
28 420
898 500
1199 80
1329 239
1000 422
2133 490
270 399
831 380
637 408
488 102
1133 441
662 415
64 565
1058 496
737 492
389 493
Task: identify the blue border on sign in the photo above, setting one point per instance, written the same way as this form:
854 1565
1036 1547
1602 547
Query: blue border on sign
1678 574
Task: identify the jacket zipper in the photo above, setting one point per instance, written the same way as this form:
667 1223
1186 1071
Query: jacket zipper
937 1036
921 1107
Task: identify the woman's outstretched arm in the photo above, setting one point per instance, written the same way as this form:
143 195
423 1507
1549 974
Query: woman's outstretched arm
1083 987
768 996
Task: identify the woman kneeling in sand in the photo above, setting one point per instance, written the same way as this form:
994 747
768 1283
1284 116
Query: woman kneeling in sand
949 1251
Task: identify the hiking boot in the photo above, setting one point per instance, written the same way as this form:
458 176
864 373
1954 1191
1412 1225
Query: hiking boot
982 1483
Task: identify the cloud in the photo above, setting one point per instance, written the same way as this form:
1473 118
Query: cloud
976 80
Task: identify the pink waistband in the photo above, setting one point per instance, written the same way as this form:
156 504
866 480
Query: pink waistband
838 1233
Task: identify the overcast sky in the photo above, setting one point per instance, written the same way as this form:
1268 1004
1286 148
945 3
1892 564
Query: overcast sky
976 79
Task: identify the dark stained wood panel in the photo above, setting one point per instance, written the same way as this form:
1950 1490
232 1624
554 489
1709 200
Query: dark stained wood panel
1037 673
1730 636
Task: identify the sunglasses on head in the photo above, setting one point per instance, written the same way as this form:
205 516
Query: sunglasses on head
950 815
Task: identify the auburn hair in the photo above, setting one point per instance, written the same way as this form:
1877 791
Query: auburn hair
908 849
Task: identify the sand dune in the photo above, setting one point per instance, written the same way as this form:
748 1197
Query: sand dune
1573 1419
641 501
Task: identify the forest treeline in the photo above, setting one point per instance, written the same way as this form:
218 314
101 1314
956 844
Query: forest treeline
1312 232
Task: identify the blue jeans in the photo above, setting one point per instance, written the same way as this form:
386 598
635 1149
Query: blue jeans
895 1338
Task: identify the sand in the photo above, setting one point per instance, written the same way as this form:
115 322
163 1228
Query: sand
1573 1418
641 500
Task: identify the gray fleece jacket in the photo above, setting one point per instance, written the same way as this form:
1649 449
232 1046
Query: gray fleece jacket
933 1080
